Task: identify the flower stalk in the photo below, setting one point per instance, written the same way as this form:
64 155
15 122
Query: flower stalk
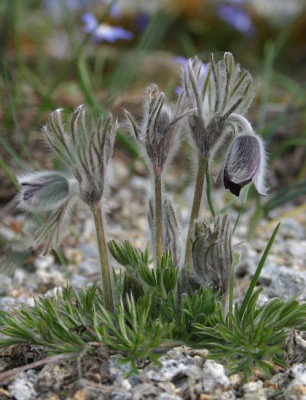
208 190
158 215
102 247
197 198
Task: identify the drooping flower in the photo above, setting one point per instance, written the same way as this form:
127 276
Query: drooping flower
158 134
245 163
212 254
104 32
224 89
45 190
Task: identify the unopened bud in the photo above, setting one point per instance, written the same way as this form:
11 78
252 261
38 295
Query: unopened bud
212 254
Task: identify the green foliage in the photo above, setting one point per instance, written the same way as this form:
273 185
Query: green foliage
248 336
72 319
255 337
132 330
252 335
202 307
160 281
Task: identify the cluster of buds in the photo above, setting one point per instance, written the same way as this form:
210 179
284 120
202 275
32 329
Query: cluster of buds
221 96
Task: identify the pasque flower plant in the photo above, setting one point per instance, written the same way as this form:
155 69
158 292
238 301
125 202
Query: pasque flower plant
210 108
144 307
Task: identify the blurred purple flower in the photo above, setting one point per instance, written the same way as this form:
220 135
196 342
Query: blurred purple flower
142 20
236 18
183 62
104 32
90 22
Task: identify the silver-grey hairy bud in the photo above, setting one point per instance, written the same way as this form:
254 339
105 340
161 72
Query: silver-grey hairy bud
212 254
85 146
158 134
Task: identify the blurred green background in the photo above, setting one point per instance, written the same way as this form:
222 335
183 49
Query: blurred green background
50 58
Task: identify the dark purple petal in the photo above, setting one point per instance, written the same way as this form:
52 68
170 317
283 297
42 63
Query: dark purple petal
233 187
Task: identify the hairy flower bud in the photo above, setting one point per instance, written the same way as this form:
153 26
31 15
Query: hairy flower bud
225 89
85 147
212 254
245 163
157 136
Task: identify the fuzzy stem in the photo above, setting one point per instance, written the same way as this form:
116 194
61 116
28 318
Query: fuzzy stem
102 246
197 197
208 189
158 215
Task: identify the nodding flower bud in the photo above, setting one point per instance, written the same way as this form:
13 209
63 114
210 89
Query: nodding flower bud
44 190
224 89
158 135
212 254
86 148
245 163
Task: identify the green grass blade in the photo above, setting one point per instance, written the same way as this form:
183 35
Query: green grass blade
254 281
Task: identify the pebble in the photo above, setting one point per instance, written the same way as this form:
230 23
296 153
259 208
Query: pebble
297 388
77 281
254 391
44 262
169 370
52 376
167 396
292 229
296 249
88 267
214 376
22 387
287 284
